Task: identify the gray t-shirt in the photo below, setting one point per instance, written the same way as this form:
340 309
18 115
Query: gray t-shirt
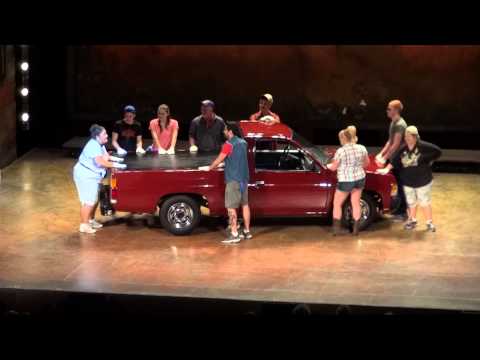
208 139
398 126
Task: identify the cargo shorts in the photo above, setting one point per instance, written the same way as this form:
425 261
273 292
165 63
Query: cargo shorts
420 195
233 196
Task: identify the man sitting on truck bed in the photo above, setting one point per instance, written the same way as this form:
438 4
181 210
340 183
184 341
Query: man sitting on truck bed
264 113
234 153
206 130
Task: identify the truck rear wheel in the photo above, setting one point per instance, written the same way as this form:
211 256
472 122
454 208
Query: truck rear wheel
180 214
368 212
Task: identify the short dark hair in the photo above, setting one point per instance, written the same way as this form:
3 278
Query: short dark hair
95 130
233 127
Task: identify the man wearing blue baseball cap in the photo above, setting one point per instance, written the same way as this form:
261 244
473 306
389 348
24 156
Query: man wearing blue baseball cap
206 130
127 133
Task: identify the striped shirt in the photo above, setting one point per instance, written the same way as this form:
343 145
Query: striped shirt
351 158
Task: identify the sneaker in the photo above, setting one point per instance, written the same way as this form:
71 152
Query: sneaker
246 234
87 229
410 225
232 239
431 227
95 224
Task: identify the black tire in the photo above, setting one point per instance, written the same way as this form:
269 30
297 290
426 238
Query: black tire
180 214
371 213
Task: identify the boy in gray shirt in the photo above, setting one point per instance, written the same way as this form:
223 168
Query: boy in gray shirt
395 141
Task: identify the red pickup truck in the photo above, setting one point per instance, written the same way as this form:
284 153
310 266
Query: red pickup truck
288 178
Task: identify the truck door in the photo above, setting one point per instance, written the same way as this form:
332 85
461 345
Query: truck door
284 183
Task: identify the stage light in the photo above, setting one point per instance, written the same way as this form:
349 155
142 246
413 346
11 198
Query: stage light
24 66
24 91
25 117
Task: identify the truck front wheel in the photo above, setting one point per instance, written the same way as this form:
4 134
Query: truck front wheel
180 214
368 211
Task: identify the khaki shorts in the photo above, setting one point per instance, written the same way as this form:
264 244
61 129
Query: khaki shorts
421 195
233 197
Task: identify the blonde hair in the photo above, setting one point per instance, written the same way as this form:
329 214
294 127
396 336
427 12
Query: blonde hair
412 130
353 132
397 104
349 134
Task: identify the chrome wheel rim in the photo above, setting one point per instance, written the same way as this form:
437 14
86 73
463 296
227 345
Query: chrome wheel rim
180 215
364 211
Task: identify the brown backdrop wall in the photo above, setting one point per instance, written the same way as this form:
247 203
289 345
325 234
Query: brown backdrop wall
8 151
314 87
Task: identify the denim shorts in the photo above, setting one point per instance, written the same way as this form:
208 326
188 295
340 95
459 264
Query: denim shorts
347 186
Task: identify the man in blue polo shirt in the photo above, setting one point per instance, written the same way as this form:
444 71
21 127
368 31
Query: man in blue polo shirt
234 153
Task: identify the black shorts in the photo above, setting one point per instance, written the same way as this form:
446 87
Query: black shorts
347 186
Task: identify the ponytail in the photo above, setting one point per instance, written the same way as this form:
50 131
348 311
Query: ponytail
349 134
352 130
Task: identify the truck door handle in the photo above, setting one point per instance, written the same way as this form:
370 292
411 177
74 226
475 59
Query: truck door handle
259 183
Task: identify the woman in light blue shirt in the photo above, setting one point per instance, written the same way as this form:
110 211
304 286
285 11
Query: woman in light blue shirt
88 173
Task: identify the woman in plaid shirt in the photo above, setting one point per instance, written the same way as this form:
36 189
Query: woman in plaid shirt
350 162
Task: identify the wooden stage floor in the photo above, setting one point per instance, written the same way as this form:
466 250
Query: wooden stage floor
286 261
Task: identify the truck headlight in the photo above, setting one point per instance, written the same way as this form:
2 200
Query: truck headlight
394 189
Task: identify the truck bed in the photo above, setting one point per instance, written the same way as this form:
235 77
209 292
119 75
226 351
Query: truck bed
182 160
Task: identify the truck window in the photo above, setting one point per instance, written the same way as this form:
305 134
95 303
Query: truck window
280 155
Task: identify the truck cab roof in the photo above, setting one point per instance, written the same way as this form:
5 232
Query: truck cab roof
257 129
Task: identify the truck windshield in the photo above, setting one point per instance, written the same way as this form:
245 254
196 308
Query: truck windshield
317 151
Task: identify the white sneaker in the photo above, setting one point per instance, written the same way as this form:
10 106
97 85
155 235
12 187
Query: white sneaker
95 224
87 229
232 239
431 227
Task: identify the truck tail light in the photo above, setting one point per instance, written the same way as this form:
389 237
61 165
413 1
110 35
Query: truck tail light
113 187
394 189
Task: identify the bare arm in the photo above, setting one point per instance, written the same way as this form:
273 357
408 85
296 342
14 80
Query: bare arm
333 165
139 141
115 140
220 158
103 160
155 139
174 139
394 147
385 148
276 119
191 133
